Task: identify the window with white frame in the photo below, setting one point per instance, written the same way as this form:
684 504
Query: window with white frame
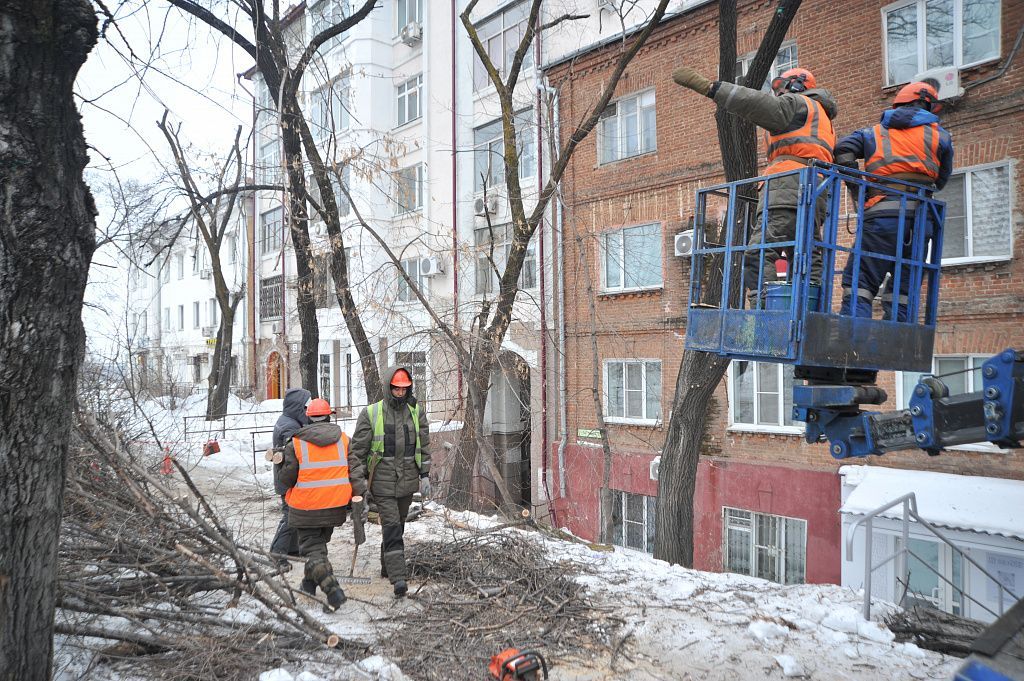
214 312
325 14
489 151
493 244
631 258
181 317
270 297
344 205
196 320
633 521
325 376
408 12
270 162
978 222
408 196
416 361
270 230
761 395
231 248
329 109
632 390
960 373
411 268
167 270
501 35
784 60
179 261
921 35
627 128
767 546
410 104
266 111
167 319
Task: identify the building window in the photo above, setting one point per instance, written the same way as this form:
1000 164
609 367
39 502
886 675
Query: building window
270 297
325 376
921 35
411 268
344 205
767 546
408 12
784 60
978 222
348 379
761 395
409 189
167 270
324 295
486 274
271 223
197 368
231 249
960 373
266 112
632 390
632 258
270 162
196 321
179 261
324 15
181 317
214 313
329 109
633 521
417 363
627 128
489 151
501 36
167 319
409 101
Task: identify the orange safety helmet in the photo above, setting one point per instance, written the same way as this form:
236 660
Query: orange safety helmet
318 407
794 80
401 379
918 91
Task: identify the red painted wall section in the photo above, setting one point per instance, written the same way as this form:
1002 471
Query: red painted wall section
792 492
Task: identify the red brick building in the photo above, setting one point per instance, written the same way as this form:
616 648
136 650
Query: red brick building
766 502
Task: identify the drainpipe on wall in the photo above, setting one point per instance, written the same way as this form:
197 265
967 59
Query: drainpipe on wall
455 213
563 420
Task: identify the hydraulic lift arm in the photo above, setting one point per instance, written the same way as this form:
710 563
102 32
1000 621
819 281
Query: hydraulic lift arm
935 420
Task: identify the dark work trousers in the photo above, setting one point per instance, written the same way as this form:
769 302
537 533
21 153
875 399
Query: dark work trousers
880 235
392 512
286 541
780 226
313 546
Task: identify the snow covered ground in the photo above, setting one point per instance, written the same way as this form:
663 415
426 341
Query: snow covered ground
680 624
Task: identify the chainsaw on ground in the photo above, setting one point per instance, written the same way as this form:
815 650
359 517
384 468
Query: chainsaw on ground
512 664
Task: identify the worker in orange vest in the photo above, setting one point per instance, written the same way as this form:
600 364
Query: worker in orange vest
797 117
315 471
907 144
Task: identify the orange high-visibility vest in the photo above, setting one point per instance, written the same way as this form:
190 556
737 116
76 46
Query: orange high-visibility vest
814 140
906 152
323 476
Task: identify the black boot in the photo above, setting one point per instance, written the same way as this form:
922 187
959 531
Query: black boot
335 599
401 588
308 586
383 571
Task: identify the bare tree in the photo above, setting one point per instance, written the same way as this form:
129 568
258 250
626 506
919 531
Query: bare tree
47 238
269 49
701 372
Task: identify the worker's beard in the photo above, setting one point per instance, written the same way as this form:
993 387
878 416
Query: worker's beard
398 402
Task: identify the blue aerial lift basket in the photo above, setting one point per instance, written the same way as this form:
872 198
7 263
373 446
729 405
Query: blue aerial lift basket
795 320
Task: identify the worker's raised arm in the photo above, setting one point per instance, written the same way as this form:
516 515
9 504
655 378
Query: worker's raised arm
772 113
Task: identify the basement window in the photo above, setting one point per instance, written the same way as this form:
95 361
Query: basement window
633 521
761 545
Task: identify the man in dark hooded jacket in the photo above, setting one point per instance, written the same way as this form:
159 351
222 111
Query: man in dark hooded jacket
797 117
293 417
907 144
390 456
315 472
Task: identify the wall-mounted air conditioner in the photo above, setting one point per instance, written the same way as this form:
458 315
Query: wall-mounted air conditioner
486 206
949 81
654 466
275 327
208 331
684 244
411 34
205 273
430 267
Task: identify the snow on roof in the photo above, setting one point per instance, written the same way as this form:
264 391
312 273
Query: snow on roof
964 502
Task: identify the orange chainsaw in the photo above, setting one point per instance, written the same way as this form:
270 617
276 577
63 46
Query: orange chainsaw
512 664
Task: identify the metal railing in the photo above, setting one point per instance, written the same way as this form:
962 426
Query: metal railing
909 502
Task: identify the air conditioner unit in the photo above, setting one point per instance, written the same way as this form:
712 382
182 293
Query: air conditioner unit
684 244
948 78
411 34
486 206
654 466
430 267
275 327
208 331
205 273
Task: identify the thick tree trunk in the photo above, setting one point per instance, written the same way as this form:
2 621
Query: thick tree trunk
47 225
464 455
220 370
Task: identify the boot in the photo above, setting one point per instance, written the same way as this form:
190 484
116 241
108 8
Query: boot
401 588
308 586
335 599
383 571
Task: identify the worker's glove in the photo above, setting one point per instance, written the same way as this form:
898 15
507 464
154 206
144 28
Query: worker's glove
687 77
425 487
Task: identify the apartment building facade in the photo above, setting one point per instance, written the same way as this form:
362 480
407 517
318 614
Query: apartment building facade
766 503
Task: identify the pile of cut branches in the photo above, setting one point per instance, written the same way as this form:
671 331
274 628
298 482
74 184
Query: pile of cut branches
484 591
148 572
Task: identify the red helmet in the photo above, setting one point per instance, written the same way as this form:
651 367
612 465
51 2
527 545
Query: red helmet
401 379
794 80
918 92
318 407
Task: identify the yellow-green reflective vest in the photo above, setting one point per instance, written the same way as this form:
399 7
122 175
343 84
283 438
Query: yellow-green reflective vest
376 414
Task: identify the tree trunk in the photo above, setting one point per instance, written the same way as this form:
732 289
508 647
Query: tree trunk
220 368
700 372
47 237
464 455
